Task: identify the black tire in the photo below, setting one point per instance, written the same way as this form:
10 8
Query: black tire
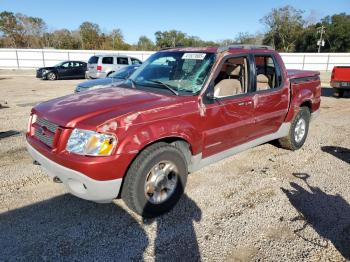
338 93
134 190
110 73
290 142
51 76
341 93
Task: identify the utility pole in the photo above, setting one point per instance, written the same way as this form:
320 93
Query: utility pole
321 30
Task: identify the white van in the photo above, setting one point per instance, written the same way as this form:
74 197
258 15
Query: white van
100 66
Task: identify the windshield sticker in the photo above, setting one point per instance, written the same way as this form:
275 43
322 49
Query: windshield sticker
196 56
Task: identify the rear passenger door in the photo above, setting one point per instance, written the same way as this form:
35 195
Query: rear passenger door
107 64
122 62
229 117
271 95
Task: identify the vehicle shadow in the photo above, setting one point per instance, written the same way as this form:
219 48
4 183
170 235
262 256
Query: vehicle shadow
176 239
340 152
66 228
328 215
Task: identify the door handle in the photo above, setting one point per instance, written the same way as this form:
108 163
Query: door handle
245 103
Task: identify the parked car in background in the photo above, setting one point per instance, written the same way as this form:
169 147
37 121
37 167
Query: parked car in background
114 78
340 80
182 110
100 66
63 70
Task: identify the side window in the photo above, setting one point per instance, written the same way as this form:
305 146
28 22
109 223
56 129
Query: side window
233 78
107 60
66 65
122 61
268 75
135 61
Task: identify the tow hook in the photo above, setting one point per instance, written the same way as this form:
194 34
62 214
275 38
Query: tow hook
56 179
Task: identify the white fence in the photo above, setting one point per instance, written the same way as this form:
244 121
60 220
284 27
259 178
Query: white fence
34 58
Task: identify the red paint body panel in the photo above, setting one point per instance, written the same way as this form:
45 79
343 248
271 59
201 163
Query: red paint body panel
138 118
340 78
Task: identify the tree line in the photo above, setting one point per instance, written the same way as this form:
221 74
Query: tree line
286 30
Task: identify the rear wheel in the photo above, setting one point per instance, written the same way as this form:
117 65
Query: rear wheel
51 76
156 180
298 130
339 93
110 73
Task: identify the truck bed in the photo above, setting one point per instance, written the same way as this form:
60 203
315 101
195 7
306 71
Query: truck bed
296 73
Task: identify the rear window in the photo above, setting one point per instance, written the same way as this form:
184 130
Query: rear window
122 61
107 60
93 60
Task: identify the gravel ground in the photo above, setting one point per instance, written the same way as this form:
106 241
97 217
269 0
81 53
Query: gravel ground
277 206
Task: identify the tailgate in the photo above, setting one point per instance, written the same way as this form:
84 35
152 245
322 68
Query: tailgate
341 73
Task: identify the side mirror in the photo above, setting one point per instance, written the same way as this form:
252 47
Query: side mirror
210 95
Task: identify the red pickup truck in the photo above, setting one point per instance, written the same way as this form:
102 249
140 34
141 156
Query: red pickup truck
340 79
183 109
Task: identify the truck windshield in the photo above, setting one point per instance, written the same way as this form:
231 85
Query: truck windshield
184 72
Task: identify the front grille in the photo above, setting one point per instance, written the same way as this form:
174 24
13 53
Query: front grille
45 131
49 125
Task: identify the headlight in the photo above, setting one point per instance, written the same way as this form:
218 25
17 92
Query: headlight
45 71
86 142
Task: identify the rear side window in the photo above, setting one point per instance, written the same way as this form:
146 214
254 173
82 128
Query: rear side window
268 74
122 61
107 60
135 61
93 60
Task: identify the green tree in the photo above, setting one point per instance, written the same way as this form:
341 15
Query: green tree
337 32
144 43
11 29
249 39
284 27
90 35
64 39
33 30
170 38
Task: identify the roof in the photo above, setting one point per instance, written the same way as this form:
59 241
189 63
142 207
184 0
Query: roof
218 49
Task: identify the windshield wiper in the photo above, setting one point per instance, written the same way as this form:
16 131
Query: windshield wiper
165 85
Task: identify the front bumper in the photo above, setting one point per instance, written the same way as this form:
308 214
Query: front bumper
77 183
39 73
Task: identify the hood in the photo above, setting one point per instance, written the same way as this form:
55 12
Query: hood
46 68
97 82
94 107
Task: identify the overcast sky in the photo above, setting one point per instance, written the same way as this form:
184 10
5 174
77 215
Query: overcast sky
210 20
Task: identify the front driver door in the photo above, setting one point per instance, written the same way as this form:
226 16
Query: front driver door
229 117
64 70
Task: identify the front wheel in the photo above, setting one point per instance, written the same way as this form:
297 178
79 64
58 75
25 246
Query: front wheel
298 130
51 76
155 180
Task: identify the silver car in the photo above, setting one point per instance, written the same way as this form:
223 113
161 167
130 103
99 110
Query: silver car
100 66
